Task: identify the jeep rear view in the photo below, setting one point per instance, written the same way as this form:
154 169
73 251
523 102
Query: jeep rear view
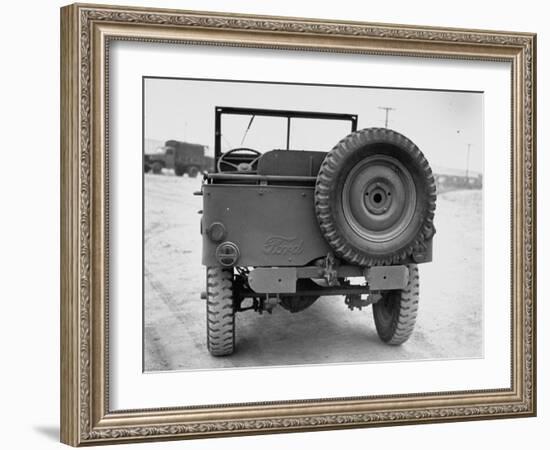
284 226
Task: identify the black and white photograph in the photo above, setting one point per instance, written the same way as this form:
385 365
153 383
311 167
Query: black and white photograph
302 224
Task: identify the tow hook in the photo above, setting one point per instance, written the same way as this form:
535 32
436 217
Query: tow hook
271 302
330 270
353 301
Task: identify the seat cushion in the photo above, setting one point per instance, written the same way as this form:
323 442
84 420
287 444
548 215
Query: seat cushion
291 162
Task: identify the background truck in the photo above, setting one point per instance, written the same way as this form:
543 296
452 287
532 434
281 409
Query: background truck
182 157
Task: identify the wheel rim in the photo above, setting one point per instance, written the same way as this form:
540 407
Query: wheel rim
379 198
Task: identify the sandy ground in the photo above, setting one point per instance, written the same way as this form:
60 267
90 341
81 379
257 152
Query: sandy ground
450 318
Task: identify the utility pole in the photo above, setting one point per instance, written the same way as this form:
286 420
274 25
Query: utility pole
387 109
468 160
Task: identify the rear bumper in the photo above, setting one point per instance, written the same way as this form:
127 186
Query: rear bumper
282 280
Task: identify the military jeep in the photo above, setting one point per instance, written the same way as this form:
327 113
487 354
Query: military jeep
283 227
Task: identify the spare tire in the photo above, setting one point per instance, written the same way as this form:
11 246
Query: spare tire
375 198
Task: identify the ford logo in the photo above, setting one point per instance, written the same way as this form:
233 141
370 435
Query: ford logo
280 245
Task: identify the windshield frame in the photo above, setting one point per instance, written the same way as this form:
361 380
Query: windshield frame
288 114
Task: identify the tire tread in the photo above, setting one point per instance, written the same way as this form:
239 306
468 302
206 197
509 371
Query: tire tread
403 322
324 192
220 324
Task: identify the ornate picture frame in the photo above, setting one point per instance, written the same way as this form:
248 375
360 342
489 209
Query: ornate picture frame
86 33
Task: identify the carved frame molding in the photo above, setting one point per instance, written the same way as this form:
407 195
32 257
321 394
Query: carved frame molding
86 31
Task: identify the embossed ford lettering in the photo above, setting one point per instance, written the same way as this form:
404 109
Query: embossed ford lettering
281 245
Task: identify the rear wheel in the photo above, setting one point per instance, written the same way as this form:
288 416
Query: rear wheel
220 313
157 167
395 313
179 171
192 172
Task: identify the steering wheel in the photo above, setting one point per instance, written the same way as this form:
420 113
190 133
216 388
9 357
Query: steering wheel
241 167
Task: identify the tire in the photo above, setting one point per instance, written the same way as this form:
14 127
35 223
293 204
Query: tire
157 168
179 171
375 198
395 314
146 168
220 314
192 172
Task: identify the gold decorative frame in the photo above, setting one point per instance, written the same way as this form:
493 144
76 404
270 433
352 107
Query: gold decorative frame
86 31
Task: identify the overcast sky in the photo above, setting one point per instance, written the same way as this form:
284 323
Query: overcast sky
442 124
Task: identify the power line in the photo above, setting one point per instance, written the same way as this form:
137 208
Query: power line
387 109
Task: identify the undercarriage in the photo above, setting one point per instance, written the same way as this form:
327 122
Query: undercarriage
297 288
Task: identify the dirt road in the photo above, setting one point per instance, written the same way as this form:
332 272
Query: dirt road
449 321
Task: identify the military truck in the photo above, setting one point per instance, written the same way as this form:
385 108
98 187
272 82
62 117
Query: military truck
182 157
283 227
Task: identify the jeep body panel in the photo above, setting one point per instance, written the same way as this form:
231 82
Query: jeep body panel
256 219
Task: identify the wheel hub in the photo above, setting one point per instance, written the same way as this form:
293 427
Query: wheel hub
379 198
